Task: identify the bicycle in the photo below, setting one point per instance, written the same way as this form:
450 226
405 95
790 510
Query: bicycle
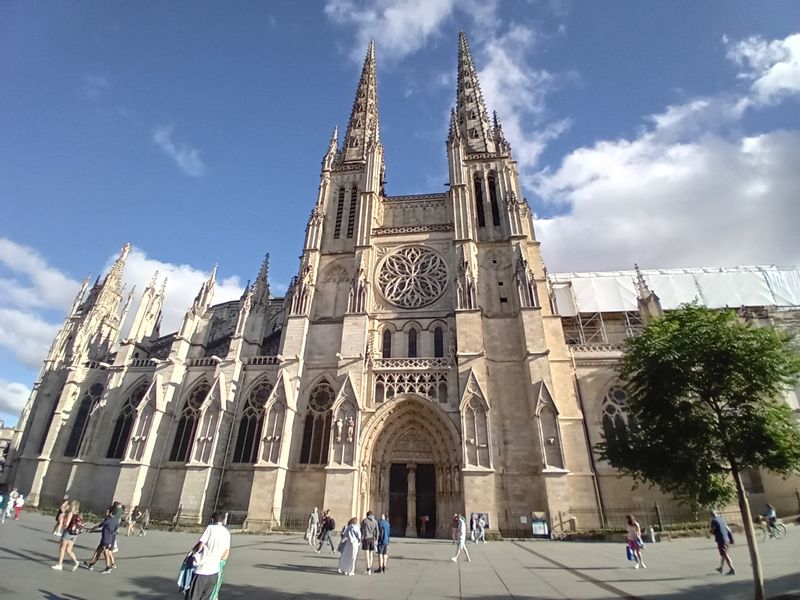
765 530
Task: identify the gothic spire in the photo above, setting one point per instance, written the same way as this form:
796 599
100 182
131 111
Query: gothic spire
363 130
114 276
473 119
261 285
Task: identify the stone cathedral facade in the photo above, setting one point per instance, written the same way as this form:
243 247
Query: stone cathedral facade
418 364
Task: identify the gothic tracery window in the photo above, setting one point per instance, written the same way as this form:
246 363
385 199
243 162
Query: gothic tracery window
187 425
251 423
412 277
614 407
273 432
386 350
87 404
317 426
351 215
493 200
124 423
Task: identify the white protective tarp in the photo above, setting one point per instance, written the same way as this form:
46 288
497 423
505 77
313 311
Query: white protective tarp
615 291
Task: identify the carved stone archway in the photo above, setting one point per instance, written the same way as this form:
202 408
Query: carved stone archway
411 431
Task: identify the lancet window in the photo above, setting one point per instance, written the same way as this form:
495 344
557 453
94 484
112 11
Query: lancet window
187 425
493 200
412 343
351 215
251 423
80 421
337 231
438 342
317 426
273 432
387 344
478 185
124 423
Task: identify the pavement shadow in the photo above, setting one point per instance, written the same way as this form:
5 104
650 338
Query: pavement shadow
298 568
46 595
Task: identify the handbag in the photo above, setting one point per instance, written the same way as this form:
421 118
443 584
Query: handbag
640 543
629 552
340 549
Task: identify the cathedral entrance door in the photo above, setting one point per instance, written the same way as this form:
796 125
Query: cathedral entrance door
426 501
398 499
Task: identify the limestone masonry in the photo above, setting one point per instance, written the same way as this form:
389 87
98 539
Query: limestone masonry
422 363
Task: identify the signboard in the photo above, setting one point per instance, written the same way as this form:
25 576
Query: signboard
540 528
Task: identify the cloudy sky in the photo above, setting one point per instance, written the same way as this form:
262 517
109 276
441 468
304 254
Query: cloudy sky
659 133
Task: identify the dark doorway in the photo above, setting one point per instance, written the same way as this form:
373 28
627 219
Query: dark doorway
398 499
426 501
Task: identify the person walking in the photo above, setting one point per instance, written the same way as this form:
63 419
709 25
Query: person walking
369 535
62 511
72 528
108 531
481 529
144 522
313 526
635 541
454 528
723 536
210 552
384 535
327 527
118 512
462 539
3 507
19 502
133 518
472 527
351 536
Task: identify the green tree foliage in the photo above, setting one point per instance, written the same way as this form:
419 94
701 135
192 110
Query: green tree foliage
704 402
704 396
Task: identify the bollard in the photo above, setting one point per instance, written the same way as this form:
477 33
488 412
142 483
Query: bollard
652 535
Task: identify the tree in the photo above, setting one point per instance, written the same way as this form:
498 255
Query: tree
704 403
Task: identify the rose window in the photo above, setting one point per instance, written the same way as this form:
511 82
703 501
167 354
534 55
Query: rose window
412 277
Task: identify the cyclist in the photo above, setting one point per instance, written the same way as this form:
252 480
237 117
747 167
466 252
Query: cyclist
771 516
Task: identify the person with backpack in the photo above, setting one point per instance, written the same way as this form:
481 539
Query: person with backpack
73 527
723 536
328 525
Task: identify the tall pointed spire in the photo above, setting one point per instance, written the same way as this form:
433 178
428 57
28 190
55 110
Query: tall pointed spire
363 130
473 119
261 286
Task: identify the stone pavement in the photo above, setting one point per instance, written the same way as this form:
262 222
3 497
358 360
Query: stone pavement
283 566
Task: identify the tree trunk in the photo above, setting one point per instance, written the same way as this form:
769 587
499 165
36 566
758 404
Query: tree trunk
747 523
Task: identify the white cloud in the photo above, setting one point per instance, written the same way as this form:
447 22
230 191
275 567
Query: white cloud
517 91
187 158
44 285
27 335
13 396
184 281
706 202
403 27
772 65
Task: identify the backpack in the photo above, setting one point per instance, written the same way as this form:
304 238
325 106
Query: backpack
75 525
331 524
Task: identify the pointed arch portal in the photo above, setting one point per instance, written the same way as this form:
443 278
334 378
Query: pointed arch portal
412 467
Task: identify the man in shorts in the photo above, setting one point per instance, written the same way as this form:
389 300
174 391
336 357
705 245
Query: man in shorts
108 532
210 550
384 532
723 536
369 538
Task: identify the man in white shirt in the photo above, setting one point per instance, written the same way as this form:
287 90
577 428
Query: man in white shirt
212 548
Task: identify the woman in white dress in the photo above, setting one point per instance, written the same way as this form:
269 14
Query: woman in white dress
351 539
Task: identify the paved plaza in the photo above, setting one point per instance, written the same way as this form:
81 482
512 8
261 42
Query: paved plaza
283 566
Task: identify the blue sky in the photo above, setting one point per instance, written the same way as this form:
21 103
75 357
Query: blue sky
659 133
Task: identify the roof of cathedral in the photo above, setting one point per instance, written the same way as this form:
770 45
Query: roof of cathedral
616 291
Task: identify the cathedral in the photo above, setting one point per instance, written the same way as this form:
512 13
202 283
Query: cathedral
422 363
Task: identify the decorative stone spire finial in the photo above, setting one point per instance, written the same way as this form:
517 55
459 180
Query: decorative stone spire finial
363 129
261 286
473 119
641 285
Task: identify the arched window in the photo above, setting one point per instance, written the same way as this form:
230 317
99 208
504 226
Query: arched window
337 231
187 425
124 423
493 200
614 406
251 424
412 343
81 419
387 344
317 427
351 215
438 342
478 185
548 421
